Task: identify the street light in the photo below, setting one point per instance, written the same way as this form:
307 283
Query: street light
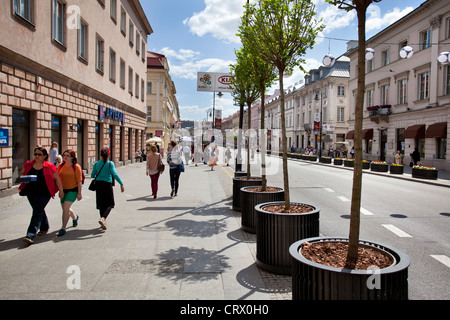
220 94
320 124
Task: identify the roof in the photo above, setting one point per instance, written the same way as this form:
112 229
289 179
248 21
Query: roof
155 60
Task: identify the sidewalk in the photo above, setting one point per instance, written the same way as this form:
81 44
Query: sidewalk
183 248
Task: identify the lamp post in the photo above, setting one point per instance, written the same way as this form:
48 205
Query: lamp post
320 124
220 94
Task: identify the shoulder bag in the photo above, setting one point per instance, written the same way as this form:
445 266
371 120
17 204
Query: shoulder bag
161 166
92 185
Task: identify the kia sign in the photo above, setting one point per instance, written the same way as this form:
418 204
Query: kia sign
214 82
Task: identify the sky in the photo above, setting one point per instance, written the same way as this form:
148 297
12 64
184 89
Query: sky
200 36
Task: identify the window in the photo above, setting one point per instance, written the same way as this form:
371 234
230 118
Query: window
384 90
341 91
130 81
340 114
122 74
138 41
423 85
123 21
401 45
142 90
402 92
112 65
24 9
99 52
113 10
136 87
369 97
425 39
149 88
370 66
143 51
385 58
448 27
82 40
59 18
131 33
149 114
447 81
441 144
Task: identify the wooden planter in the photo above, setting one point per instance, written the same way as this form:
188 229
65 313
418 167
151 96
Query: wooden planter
250 199
366 165
313 281
238 183
424 174
325 160
396 169
275 232
338 162
349 163
379 167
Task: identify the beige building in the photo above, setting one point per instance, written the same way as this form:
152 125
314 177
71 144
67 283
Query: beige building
407 100
73 73
163 113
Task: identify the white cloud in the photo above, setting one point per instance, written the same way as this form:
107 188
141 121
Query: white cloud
188 70
182 54
219 18
335 18
376 22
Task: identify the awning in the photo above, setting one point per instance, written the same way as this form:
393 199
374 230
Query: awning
437 130
367 134
415 132
350 134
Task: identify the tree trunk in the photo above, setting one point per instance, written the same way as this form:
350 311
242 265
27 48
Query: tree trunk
352 255
287 201
249 122
262 142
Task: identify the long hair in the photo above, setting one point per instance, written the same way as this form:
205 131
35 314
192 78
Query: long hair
44 152
74 157
104 154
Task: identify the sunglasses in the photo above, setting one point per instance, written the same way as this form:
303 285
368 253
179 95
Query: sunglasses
38 154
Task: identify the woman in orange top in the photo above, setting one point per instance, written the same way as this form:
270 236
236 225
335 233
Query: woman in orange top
70 173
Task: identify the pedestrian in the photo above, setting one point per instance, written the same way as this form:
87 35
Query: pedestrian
53 153
212 158
197 155
40 191
228 156
153 159
415 156
399 158
105 171
174 160
187 153
352 153
69 172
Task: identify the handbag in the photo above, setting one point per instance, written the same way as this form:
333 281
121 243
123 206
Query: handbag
92 185
161 166
181 167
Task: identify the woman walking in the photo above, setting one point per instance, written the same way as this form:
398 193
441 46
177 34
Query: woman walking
174 160
53 153
104 171
153 160
70 174
40 191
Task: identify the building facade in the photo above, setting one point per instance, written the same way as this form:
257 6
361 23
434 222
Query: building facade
163 114
74 74
407 100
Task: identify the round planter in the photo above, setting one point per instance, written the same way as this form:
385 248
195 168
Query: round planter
338 162
366 165
240 173
314 281
379 167
252 198
325 160
349 163
238 183
312 158
424 174
275 232
396 169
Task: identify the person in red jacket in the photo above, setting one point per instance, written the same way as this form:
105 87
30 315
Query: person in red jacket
40 191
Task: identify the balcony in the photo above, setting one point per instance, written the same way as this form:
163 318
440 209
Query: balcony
379 113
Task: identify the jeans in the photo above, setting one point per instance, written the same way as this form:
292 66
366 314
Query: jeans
174 177
154 178
39 219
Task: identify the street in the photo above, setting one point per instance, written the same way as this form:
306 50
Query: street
411 216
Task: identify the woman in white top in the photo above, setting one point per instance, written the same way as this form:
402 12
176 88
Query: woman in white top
53 153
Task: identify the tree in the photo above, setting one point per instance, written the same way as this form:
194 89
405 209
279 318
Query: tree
280 32
361 7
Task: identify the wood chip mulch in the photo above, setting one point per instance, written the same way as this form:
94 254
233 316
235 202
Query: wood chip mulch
295 208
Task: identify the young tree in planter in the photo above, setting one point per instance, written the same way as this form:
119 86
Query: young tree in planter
245 89
361 7
280 32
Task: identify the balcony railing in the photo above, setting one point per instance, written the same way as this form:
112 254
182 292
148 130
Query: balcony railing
379 113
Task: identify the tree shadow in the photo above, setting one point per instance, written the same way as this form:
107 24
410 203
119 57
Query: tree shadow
191 228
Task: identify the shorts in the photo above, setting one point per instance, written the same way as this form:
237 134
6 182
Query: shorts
70 196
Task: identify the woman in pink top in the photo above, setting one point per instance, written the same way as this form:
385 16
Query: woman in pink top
153 159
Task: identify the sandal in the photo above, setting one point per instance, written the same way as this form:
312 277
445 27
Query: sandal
102 223
41 233
75 222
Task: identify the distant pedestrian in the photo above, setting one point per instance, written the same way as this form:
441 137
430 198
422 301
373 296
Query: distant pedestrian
174 160
399 158
197 155
212 158
40 191
53 153
69 172
352 153
105 171
415 156
228 156
153 159
187 153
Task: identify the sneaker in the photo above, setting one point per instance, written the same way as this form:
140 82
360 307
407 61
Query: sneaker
102 223
28 240
75 222
61 232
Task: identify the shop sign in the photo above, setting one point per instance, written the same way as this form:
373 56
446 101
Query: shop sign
4 138
104 112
